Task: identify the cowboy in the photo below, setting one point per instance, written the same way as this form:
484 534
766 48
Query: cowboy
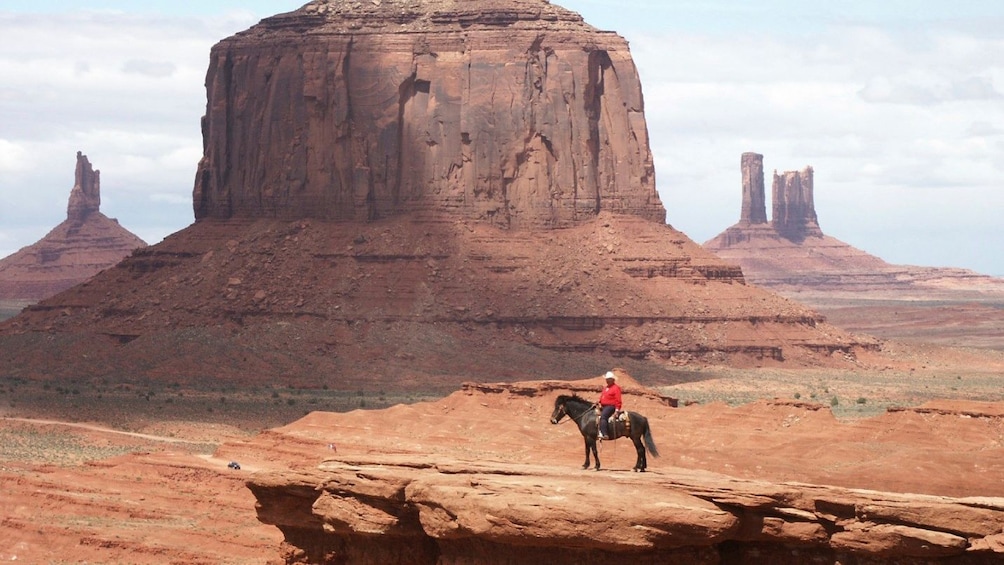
610 402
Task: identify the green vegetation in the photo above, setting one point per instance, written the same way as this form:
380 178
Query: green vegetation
848 394
127 406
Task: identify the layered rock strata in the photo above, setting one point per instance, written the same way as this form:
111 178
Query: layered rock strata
86 243
516 113
404 302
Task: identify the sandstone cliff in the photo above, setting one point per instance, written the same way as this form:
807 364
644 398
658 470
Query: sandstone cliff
516 113
86 243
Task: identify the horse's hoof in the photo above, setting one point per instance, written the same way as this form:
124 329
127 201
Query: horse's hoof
584 467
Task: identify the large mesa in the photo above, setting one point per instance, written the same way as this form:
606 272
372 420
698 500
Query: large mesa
516 112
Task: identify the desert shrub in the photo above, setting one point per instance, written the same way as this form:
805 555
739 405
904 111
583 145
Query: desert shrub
861 400
834 401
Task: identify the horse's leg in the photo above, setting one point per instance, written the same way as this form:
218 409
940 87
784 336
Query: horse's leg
639 447
585 440
596 455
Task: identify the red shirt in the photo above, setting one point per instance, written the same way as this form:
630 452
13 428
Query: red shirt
611 396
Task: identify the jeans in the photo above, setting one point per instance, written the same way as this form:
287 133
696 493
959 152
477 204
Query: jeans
604 416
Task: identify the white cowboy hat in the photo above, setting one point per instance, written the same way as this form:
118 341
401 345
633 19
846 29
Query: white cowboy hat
611 375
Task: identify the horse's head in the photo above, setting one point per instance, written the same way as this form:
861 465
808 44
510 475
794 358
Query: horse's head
559 409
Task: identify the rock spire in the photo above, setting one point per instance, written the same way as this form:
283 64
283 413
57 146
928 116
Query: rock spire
84 244
754 210
794 210
792 256
85 197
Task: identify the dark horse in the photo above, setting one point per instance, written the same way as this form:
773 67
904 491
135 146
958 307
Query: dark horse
581 411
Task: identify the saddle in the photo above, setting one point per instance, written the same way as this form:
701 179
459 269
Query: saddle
621 417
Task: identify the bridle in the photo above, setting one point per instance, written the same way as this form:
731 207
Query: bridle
565 412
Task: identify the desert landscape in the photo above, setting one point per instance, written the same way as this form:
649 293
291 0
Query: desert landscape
142 476
443 220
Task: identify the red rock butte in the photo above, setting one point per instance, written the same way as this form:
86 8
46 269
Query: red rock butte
791 255
516 113
402 195
83 245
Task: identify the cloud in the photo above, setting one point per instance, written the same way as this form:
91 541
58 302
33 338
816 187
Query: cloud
155 69
926 90
13 158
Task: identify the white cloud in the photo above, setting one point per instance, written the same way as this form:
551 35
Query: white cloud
13 157
156 69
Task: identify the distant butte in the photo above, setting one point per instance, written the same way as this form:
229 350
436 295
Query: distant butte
86 243
792 256
399 194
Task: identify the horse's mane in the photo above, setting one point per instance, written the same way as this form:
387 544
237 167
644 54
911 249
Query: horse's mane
572 398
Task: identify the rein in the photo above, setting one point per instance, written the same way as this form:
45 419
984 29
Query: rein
575 418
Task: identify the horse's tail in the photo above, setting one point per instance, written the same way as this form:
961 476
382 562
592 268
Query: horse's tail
649 442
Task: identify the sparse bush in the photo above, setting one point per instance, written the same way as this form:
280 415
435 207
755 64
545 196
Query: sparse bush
861 400
798 395
834 401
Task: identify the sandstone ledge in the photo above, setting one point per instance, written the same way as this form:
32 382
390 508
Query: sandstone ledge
480 477
410 509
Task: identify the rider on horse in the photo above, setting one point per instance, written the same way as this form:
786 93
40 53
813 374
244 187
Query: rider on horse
610 402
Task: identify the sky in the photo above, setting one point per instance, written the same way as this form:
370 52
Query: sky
897 105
